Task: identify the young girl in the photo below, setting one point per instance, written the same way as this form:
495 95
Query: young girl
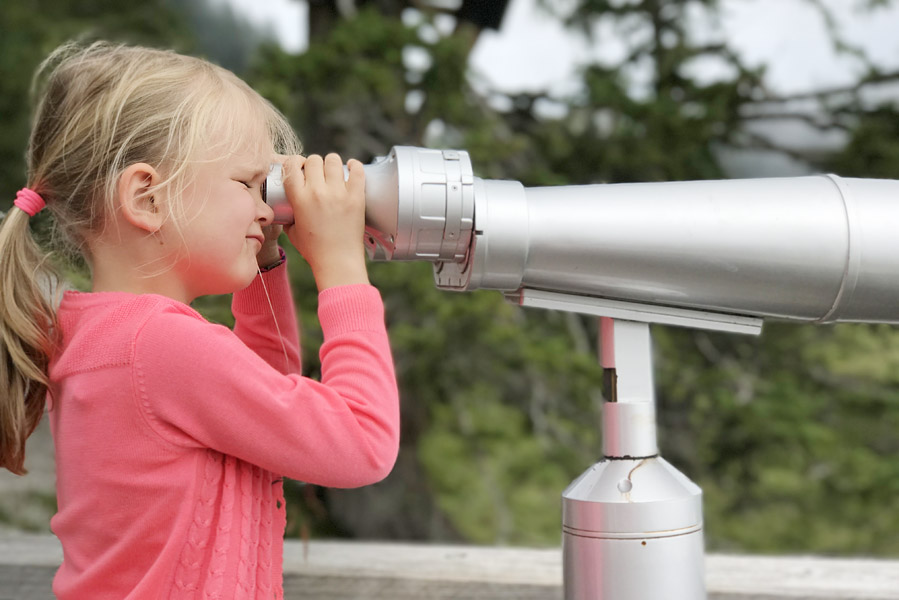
172 433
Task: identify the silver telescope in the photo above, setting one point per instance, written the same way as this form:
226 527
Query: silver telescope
819 248
722 255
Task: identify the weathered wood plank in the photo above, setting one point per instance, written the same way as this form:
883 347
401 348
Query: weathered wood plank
812 577
331 570
348 587
337 570
426 562
18 582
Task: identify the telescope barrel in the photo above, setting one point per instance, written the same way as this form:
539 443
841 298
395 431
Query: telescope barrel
817 249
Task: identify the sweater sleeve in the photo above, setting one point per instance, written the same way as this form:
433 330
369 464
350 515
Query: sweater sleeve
265 320
199 385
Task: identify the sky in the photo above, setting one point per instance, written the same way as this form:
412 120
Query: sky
788 35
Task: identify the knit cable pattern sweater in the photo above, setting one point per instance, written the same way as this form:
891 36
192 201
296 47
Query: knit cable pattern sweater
172 434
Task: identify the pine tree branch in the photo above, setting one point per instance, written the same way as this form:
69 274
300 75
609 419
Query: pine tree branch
816 122
758 142
876 77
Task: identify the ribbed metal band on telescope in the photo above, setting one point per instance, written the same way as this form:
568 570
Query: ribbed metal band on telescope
436 186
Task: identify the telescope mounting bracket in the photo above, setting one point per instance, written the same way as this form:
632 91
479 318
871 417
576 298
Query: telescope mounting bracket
634 311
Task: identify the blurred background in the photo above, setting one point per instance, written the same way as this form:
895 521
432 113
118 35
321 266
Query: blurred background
793 436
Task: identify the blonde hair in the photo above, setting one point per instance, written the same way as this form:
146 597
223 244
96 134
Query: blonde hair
102 108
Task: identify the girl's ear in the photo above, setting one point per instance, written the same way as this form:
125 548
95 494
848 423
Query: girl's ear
137 204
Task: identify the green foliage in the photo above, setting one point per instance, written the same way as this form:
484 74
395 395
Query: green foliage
490 474
791 435
31 29
341 88
872 150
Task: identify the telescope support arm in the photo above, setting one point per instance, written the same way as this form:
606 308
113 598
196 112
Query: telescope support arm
628 416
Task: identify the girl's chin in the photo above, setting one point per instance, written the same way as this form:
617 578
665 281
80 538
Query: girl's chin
251 273
235 282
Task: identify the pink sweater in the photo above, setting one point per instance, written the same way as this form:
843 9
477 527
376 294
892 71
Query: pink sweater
172 435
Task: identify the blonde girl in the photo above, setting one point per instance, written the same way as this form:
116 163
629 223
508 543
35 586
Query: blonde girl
171 433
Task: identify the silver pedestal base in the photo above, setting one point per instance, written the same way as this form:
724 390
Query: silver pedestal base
632 530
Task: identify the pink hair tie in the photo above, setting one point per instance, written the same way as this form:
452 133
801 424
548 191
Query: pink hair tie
29 201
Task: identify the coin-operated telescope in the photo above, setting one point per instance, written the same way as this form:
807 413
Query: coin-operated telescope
718 255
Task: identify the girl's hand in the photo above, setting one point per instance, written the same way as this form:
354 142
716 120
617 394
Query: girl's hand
269 254
329 217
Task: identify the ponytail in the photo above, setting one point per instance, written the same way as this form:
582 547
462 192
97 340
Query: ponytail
27 335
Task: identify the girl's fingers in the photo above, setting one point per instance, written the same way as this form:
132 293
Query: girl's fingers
314 170
271 232
292 168
333 169
356 182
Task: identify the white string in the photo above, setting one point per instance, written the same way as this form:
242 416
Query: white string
275 319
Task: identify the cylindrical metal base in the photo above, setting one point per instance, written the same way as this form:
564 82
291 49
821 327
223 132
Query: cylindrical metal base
632 530
664 568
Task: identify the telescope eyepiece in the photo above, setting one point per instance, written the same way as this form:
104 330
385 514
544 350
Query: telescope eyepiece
419 204
274 195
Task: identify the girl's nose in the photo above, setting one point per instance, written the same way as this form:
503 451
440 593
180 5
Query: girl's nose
264 213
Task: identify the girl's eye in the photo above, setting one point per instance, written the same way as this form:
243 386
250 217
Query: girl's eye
247 185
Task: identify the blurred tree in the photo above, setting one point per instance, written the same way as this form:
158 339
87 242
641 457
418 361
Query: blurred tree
220 34
32 28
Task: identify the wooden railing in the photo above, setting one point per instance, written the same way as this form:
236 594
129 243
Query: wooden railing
341 570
